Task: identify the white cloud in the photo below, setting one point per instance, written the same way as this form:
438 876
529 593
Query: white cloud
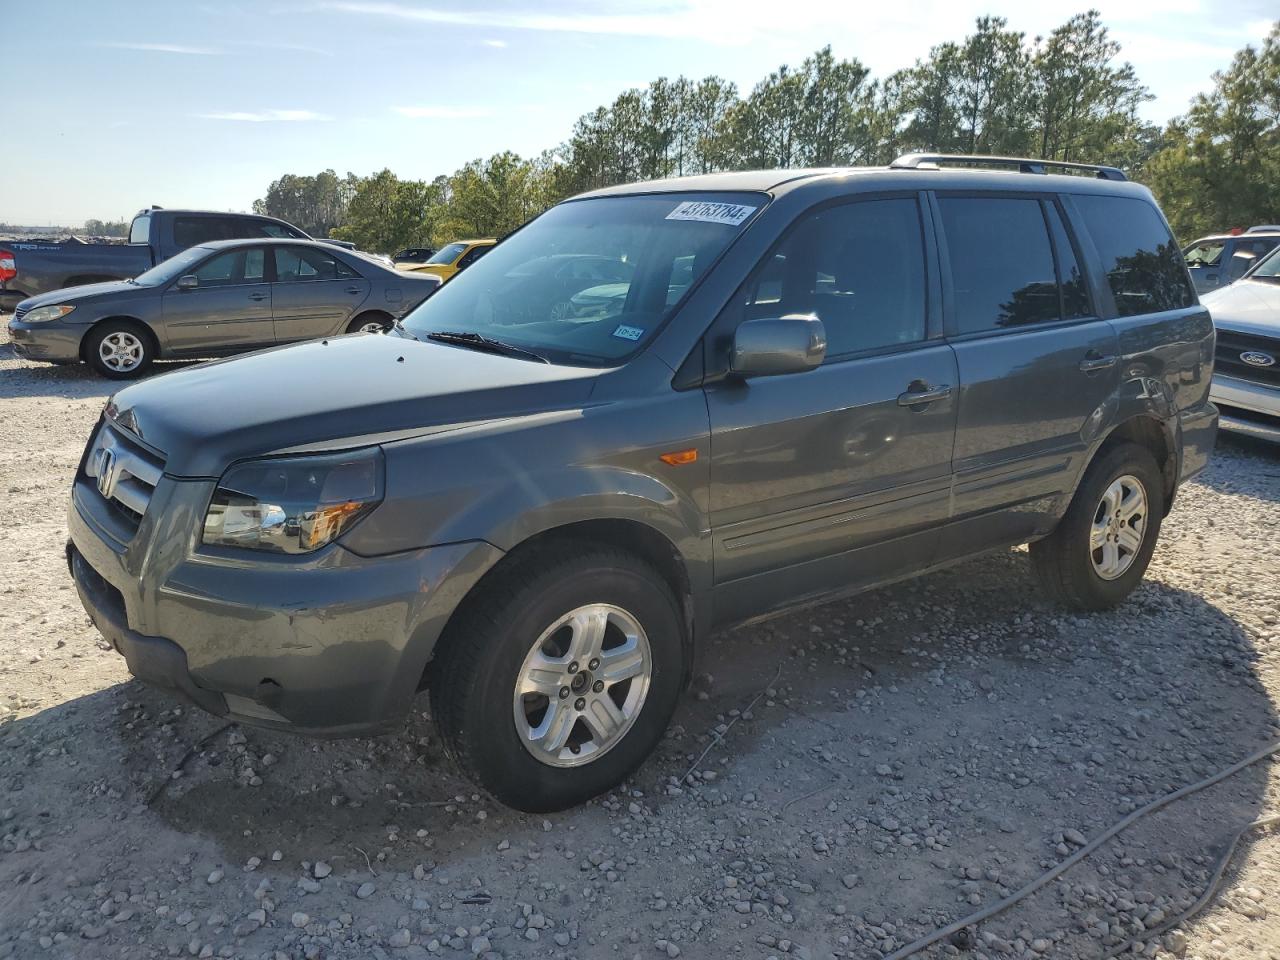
442 113
263 116
499 44
165 48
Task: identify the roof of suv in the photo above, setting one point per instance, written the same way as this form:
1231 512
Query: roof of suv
921 178
1247 235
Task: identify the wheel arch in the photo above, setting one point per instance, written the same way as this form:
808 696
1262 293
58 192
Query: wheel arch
1157 435
143 327
631 535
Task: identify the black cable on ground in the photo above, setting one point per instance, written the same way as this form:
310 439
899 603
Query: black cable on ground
1000 906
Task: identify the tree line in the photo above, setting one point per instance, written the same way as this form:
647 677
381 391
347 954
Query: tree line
1065 96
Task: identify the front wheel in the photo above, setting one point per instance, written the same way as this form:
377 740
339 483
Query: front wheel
1103 544
559 678
370 323
119 350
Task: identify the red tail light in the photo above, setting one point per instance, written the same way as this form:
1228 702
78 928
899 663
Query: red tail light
8 269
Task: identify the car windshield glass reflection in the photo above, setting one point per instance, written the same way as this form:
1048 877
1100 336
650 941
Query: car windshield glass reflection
590 281
172 268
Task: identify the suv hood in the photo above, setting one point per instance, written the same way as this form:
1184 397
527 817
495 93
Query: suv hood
343 392
1247 306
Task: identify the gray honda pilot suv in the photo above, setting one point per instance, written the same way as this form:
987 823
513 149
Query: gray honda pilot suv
806 383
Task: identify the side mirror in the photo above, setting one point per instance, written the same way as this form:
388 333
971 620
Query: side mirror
768 347
188 282
1240 264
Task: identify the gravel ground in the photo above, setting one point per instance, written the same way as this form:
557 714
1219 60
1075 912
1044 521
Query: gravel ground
877 767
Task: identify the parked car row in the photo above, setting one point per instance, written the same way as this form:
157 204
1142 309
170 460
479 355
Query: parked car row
799 384
1246 377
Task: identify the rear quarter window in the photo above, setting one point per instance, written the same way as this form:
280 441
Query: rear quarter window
1142 262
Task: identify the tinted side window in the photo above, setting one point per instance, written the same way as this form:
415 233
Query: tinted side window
304 263
1075 299
472 255
192 231
858 266
232 267
1002 269
1143 264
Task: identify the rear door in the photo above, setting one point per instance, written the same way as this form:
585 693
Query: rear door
831 479
230 310
314 294
1037 364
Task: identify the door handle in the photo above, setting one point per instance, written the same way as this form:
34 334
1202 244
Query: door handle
1094 361
353 290
257 296
917 396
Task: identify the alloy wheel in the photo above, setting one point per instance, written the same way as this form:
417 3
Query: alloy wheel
1119 524
582 685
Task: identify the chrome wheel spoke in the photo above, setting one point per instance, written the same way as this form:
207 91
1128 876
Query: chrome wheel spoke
552 733
621 663
604 719
543 676
1098 535
1129 539
588 633
1134 502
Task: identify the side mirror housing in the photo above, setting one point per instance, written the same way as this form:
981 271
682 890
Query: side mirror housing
188 282
772 346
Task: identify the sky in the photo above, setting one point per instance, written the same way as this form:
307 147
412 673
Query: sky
111 107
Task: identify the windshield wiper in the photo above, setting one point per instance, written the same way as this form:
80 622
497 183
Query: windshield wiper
478 342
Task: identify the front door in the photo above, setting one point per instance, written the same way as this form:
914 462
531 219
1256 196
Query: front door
228 310
315 294
1037 366
829 480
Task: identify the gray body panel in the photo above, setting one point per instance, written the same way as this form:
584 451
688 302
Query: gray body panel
805 486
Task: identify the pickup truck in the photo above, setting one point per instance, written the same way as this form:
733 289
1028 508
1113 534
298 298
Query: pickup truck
28 268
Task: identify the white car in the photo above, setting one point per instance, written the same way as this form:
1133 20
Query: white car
1246 376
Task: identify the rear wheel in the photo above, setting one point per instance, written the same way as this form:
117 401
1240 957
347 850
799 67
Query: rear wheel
370 323
559 678
119 349
1102 546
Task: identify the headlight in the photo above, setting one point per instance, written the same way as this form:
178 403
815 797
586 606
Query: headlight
45 314
293 505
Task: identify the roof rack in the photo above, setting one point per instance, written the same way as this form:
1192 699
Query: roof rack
934 161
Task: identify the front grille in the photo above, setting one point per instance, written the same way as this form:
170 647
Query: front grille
131 473
1227 357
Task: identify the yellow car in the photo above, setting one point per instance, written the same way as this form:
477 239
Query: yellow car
452 257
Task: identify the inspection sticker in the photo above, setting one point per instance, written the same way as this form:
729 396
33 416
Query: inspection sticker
707 211
624 332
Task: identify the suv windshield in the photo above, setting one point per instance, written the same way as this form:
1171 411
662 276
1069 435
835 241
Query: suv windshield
170 269
590 281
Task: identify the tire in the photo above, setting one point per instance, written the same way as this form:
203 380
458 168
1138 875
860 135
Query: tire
504 632
1080 569
366 322
119 349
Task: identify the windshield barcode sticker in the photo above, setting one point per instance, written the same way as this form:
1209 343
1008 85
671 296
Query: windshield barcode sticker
707 211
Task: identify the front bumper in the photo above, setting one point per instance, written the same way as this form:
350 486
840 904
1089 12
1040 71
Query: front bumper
329 645
46 341
1247 407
